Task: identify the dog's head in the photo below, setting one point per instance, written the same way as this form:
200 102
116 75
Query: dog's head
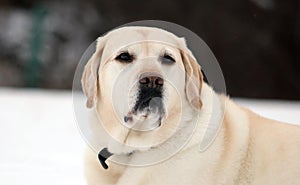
140 80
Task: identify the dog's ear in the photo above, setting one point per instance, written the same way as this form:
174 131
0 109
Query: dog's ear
193 77
89 78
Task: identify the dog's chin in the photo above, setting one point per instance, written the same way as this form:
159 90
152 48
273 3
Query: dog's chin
139 121
143 120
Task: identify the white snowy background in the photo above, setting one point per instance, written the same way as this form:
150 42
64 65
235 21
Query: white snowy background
41 145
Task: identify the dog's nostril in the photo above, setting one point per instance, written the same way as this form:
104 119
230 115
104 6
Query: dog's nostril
144 80
159 81
153 81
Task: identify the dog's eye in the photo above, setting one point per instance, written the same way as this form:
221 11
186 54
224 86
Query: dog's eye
124 57
167 59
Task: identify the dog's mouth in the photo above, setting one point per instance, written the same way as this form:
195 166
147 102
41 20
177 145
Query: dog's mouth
148 110
150 100
146 115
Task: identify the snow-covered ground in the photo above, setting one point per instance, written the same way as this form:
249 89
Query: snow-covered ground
41 145
39 140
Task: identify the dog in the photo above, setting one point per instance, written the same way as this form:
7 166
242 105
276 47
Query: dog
146 92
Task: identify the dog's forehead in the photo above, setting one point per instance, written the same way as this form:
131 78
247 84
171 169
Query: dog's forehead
126 36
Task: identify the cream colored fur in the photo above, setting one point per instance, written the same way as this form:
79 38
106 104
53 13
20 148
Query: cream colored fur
246 149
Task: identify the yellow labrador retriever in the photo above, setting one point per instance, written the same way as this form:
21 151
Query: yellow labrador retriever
145 89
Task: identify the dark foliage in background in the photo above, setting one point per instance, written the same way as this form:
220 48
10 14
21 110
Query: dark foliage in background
257 42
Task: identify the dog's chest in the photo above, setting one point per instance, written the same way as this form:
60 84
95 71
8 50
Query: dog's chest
184 168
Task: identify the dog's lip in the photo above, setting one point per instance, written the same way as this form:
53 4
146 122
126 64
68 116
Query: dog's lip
130 117
145 118
130 114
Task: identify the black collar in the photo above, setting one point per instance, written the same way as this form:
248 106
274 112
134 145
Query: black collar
102 156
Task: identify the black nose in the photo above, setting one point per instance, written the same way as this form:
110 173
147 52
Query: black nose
152 81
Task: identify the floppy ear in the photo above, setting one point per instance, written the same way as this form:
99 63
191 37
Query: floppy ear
89 78
193 77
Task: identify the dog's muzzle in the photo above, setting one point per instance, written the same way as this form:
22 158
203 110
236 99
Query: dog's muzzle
149 102
150 94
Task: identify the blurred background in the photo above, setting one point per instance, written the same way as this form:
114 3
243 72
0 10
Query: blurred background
257 42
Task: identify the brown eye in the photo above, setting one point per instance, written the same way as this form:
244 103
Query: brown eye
124 57
167 59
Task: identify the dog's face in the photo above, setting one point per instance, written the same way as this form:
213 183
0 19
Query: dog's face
140 80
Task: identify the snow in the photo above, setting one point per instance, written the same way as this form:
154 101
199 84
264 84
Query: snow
281 110
40 142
